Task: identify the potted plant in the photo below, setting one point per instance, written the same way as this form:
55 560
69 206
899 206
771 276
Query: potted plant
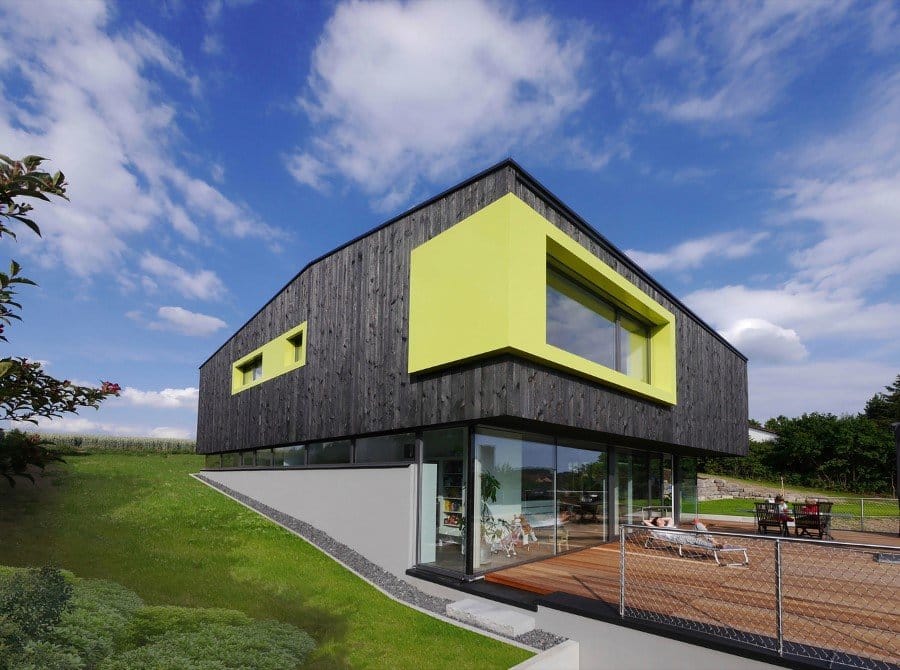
492 530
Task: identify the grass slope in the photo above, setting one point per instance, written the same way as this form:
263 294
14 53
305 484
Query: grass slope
141 521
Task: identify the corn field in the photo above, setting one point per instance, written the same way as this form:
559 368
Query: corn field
66 443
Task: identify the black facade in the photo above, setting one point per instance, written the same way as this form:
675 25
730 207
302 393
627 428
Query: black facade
355 380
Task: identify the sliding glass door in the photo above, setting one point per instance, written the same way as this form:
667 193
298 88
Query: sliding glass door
442 499
581 498
515 515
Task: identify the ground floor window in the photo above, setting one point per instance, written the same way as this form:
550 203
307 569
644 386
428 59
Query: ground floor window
532 496
442 499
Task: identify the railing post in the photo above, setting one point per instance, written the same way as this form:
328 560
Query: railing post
622 571
862 515
778 598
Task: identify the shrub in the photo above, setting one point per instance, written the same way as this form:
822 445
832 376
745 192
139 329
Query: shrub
46 656
97 619
50 620
34 600
154 621
262 645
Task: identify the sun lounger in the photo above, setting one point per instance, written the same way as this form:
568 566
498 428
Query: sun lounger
697 542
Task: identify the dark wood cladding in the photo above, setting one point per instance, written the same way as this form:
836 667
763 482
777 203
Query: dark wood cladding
355 379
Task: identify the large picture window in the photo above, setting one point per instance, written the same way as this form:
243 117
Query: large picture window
584 322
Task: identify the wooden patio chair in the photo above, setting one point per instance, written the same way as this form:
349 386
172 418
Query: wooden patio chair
813 516
769 516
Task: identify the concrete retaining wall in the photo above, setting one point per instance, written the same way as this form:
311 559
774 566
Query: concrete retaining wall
371 510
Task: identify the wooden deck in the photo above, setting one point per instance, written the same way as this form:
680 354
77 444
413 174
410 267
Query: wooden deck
833 598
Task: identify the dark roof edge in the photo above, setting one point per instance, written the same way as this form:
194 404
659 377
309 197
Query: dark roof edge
599 238
545 193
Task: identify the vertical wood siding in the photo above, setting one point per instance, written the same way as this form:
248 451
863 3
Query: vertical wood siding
355 379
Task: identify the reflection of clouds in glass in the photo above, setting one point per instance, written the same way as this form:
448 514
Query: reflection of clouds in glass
575 328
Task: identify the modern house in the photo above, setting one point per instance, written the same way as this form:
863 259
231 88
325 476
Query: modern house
480 381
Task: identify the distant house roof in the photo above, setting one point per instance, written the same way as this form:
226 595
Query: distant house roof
762 435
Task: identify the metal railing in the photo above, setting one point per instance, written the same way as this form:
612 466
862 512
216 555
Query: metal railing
830 602
871 515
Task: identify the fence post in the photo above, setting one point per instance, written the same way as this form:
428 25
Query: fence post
622 571
862 514
778 598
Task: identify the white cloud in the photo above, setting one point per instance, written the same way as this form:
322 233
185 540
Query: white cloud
849 184
172 432
812 313
81 425
765 342
694 253
94 103
731 61
203 285
185 322
838 386
168 398
399 91
77 424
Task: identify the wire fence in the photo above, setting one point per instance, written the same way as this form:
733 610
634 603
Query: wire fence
869 515
829 602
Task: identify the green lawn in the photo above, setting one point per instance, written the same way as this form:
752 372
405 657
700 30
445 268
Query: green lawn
141 521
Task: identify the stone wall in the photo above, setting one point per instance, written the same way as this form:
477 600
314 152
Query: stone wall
712 487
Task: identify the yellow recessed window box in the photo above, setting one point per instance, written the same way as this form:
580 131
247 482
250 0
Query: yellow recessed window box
276 357
506 280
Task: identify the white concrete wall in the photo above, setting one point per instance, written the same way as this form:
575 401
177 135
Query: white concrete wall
604 646
371 510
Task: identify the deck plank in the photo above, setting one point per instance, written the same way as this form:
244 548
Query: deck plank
833 598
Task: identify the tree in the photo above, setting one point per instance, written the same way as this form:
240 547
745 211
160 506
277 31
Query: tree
26 391
884 408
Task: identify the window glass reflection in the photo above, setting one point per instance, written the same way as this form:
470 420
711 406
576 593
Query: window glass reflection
327 453
386 448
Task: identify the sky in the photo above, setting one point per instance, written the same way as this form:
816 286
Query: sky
747 155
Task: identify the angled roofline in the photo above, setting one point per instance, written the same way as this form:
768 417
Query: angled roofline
548 196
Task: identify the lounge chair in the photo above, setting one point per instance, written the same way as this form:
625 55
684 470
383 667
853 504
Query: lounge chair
695 541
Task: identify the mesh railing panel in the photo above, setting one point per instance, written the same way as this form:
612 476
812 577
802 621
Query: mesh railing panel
838 603
870 515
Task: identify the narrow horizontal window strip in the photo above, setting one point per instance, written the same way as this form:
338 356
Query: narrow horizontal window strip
276 357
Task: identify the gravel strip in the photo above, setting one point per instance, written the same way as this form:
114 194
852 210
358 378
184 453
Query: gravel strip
392 584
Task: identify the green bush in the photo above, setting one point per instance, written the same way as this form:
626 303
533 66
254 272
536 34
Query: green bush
261 645
50 620
34 600
155 621
97 619
46 656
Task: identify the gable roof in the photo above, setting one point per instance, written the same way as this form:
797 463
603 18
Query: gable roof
550 198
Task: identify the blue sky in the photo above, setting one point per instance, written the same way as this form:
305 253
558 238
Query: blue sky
747 155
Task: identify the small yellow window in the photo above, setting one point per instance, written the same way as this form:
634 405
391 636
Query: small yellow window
251 370
296 343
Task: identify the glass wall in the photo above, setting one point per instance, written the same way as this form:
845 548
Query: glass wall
442 499
515 514
586 323
644 485
689 503
289 457
581 472
327 453
386 448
